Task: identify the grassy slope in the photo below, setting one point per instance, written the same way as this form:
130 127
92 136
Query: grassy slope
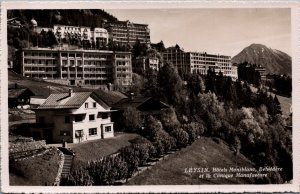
202 153
40 170
97 149
39 87
285 102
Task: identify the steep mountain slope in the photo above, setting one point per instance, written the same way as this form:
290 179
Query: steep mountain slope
275 61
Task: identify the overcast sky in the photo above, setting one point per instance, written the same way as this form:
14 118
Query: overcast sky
216 31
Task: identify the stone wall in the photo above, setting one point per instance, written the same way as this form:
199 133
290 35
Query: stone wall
26 146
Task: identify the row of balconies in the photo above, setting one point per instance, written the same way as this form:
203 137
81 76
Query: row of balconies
87 72
39 57
39 65
40 72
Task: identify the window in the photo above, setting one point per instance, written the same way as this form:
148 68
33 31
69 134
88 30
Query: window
104 115
79 133
92 131
91 117
107 129
67 119
86 105
78 118
94 105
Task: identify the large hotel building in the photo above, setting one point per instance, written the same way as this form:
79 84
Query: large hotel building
197 62
127 33
87 68
120 32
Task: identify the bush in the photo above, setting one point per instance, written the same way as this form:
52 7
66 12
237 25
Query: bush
192 132
169 119
152 128
132 157
79 177
107 170
181 137
132 119
159 148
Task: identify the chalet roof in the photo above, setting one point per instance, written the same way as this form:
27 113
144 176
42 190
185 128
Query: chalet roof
110 97
65 101
138 103
17 92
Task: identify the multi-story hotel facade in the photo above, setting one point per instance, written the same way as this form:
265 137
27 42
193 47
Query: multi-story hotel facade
141 64
127 33
78 67
82 33
199 62
120 33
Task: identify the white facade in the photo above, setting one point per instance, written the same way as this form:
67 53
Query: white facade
81 32
199 62
141 64
100 34
89 122
78 67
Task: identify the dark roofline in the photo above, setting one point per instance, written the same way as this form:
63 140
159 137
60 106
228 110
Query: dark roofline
92 94
125 22
119 104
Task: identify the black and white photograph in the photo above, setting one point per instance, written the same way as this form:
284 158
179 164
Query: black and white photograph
165 96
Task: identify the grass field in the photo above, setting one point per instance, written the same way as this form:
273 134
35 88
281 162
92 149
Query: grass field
96 149
202 153
38 171
285 104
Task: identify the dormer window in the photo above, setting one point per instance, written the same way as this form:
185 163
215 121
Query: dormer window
94 104
86 105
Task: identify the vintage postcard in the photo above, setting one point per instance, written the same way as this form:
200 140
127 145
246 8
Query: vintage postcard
151 96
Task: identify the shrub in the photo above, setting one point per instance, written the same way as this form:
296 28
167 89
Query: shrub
107 170
152 128
131 157
169 119
237 145
181 137
143 153
192 132
78 177
120 167
132 119
159 148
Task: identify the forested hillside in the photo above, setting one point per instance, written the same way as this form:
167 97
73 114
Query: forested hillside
73 17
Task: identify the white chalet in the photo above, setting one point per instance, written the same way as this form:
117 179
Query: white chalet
74 117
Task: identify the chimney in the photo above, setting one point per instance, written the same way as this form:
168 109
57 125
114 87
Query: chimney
109 87
70 92
131 96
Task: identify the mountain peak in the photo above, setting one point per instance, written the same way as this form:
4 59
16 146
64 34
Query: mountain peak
275 61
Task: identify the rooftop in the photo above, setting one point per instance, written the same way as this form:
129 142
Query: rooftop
142 103
67 101
16 92
71 49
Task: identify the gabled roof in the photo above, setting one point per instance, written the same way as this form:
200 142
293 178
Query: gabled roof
17 92
110 97
140 103
65 101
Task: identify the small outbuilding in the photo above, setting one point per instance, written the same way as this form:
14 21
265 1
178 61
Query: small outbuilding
19 96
